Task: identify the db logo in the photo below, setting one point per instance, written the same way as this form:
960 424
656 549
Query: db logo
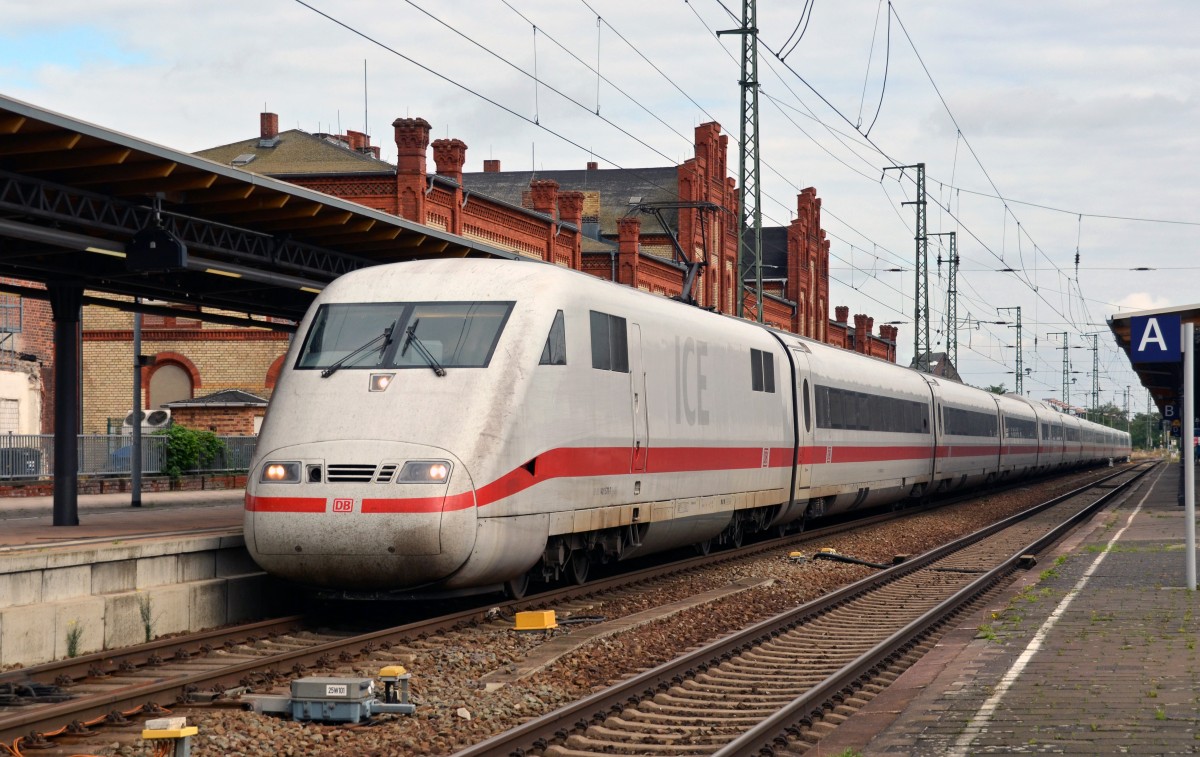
343 505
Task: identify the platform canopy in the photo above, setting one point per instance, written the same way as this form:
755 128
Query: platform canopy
1163 378
91 207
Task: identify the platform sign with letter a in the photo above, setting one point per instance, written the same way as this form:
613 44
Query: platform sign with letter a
1155 339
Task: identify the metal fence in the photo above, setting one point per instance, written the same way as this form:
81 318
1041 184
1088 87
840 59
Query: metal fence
32 455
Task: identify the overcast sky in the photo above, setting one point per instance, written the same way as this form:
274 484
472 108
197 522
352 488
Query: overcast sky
1087 108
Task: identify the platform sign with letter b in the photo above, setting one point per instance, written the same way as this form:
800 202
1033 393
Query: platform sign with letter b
1155 339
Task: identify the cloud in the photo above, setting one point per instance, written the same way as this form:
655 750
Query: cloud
1143 301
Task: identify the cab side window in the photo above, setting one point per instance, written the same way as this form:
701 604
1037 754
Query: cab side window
610 346
762 371
555 351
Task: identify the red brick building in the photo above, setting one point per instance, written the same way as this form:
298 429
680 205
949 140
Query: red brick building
618 224
640 226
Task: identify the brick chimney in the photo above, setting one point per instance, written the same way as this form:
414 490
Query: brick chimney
629 231
545 196
842 313
593 165
357 140
862 333
570 208
449 155
268 125
412 140
491 166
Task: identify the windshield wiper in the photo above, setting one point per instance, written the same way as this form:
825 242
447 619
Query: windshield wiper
424 352
386 337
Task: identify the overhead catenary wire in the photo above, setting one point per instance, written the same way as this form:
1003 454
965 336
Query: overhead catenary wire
593 108
492 101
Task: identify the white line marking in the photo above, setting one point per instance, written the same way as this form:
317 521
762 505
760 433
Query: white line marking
980 721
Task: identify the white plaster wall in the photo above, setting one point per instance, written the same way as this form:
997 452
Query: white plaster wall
26 389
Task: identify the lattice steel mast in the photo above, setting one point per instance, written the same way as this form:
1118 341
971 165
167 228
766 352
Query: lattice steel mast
921 293
750 193
951 298
1020 351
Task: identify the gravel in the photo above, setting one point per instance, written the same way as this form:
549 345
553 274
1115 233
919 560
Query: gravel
454 710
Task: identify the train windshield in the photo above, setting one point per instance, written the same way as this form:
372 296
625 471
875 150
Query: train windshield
376 335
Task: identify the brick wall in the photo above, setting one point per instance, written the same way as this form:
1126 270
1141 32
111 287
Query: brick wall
223 421
217 357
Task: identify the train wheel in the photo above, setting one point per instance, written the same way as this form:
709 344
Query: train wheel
516 588
578 566
703 548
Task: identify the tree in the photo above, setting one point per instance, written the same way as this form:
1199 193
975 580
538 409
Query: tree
1138 431
996 389
189 449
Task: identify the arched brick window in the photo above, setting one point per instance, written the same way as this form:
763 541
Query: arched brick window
172 377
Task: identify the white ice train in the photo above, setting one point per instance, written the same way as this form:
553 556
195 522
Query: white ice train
456 425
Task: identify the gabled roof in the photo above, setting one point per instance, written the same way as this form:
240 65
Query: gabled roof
226 398
297 153
939 365
609 193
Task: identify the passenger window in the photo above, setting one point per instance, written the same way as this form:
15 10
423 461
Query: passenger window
807 408
610 346
762 371
555 351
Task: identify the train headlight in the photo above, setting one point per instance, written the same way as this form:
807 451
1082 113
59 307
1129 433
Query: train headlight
424 472
281 473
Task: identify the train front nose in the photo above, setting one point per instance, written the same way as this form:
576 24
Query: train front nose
360 514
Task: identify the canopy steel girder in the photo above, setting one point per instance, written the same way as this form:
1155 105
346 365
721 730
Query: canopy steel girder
65 206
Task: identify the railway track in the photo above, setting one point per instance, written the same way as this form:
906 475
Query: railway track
82 697
778 686
77 696
111 686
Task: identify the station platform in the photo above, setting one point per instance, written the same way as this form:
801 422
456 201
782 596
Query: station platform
1094 651
28 521
124 575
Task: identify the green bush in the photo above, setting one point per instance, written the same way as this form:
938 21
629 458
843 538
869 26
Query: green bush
189 449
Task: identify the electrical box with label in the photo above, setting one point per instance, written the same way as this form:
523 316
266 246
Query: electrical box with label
343 700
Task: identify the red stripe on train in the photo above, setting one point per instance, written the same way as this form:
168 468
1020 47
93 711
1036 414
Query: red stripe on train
585 462
285 504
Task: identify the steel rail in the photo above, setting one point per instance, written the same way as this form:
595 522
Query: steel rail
182 688
773 730
538 733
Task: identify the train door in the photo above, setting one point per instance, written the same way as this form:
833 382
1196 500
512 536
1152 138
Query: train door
637 391
805 422
938 426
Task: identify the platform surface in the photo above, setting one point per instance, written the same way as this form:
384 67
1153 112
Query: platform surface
1094 651
28 521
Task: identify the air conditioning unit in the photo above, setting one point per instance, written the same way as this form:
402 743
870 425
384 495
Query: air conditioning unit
152 420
